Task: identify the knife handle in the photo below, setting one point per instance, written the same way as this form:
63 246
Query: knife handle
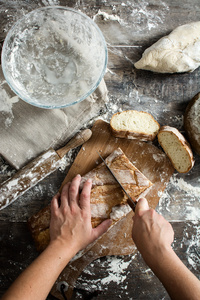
76 141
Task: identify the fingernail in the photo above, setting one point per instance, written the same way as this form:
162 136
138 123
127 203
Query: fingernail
89 180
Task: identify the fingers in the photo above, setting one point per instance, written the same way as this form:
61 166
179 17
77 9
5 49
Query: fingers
85 195
142 205
70 192
74 190
101 229
65 195
55 203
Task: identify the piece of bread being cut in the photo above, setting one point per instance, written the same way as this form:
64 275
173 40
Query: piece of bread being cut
177 148
133 124
106 192
107 198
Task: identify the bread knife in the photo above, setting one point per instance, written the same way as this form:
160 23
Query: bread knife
37 170
130 201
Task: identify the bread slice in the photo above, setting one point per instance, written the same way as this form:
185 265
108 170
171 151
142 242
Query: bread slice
133 124
177 148
192 123
107 198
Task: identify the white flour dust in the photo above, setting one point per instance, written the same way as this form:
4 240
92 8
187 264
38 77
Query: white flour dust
6 104
148 18
141 16
11 12
50 2
66 161
107 16
184 186
116 270
191 242
180 201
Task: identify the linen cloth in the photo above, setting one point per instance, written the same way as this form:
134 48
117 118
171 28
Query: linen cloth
26 131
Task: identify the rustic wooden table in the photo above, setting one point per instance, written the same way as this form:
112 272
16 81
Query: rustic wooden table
129 28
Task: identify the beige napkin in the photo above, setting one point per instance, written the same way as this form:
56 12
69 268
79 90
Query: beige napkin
26 131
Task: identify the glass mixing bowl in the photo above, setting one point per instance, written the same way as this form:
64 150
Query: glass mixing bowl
54 57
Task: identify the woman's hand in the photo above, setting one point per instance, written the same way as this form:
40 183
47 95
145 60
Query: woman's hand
152 234
70 223
70 231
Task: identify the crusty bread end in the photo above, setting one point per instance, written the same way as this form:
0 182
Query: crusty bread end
133 124
177 148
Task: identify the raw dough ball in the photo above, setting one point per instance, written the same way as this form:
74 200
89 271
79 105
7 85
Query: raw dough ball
175 53
192 123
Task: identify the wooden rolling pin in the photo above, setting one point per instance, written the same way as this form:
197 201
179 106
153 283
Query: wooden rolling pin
37 170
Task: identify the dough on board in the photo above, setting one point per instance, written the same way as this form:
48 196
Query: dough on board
175 53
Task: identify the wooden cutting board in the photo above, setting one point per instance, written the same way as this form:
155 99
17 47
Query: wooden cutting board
151 161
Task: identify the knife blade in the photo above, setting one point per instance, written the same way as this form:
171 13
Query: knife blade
130 201
37 170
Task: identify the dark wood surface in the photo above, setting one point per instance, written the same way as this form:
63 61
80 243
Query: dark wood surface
137 25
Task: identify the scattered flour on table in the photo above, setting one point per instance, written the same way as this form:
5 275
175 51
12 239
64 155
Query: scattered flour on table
179 201
113 106
192 213
11 11
191 242
50 2
148 18
184 186
140 14
6 104
6 169
115 271
107 16
177 121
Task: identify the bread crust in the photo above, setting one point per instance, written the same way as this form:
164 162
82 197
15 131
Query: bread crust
192 123
105 194
128 134
183 142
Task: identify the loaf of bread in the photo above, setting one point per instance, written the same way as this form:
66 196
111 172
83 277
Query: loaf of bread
177 148
107 198
106 193
192 123
133 124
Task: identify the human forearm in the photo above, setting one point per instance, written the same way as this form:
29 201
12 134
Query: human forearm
37 280
179 282
70 231
153 236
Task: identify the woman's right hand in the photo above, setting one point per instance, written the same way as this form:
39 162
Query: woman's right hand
152 234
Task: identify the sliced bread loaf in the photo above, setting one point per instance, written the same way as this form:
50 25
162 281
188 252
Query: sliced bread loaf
133 124
106 199
177 148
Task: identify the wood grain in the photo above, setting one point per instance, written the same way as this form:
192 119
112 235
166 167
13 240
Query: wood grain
165 96
151 161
